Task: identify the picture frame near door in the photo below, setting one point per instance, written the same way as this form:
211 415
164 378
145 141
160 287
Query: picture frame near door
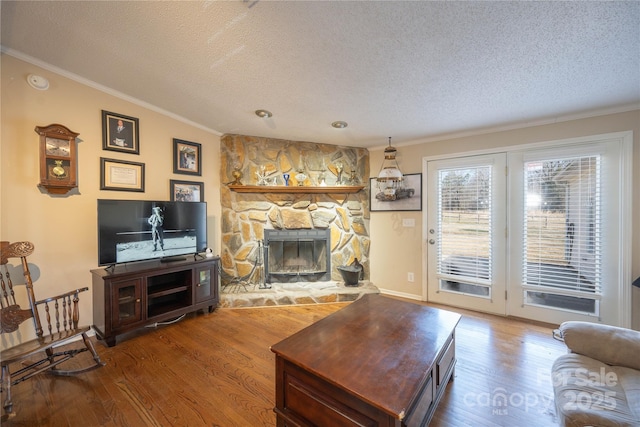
186 191
407 198
120 133
187 157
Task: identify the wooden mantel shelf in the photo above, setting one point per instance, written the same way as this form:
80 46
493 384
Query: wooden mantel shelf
342 189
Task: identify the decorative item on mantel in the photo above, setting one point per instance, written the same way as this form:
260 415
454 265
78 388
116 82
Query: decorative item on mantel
237 170
237 176
321 180
262 175
339 168
321 176
300 176
353 179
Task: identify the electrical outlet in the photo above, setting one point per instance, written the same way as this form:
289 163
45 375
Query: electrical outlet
410 277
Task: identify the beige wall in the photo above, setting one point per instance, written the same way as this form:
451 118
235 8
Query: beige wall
396 250
63 228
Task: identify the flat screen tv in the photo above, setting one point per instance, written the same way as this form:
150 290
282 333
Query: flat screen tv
140 230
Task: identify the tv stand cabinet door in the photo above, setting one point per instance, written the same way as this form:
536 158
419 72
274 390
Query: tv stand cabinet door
206 285
126 302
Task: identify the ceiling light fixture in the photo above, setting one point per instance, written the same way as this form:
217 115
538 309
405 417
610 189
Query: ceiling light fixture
339 124
263 113
390 178
38 82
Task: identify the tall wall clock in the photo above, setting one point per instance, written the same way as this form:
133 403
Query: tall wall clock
58 158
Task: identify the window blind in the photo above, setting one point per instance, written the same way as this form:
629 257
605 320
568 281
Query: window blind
464 216
562 224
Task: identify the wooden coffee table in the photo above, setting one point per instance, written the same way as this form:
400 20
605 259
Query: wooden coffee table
377 362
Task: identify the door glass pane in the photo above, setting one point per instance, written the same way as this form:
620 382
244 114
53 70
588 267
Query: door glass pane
464 243
565 302
205 277
562 233
203 290
127 301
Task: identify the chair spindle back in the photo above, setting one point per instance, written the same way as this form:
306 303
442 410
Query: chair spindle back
11 314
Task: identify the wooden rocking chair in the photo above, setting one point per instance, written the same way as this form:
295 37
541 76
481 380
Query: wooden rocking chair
62 317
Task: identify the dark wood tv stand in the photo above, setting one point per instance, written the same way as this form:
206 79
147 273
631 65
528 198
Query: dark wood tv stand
130 296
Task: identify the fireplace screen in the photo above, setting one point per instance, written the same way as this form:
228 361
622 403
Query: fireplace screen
297 256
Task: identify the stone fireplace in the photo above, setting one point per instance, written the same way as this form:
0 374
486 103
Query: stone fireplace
253 221
297 255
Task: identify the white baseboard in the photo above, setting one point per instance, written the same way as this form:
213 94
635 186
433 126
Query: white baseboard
400 294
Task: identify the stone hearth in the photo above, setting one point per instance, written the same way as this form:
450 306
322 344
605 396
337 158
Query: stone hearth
234 296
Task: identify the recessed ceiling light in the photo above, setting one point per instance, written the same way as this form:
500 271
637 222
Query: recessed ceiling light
38 82
339 124
263 113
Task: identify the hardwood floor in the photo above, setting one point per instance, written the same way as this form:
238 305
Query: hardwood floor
217 370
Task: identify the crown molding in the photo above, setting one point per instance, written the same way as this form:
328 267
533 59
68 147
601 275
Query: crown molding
109 91
519 125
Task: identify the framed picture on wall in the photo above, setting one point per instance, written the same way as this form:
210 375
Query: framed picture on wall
120 133
186 191
407 198
121 175
186 157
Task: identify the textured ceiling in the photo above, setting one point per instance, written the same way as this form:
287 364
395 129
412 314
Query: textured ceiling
410 70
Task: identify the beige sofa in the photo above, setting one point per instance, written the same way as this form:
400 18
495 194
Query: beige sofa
598 382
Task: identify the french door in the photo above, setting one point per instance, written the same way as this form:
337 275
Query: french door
566 216
466 232
536 233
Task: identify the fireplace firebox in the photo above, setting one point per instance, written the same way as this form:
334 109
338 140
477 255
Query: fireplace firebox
297 255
